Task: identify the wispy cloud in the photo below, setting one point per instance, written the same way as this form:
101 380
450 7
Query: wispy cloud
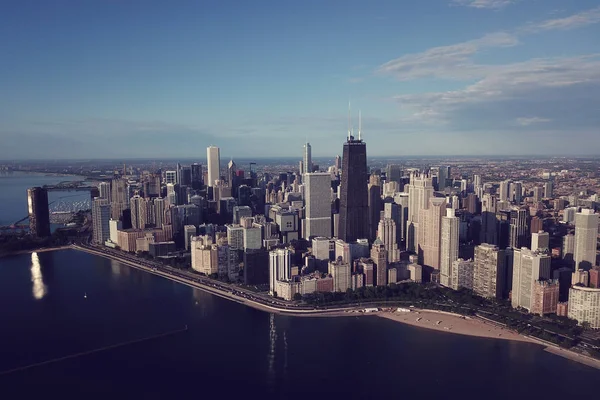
564 90
450 62
493 4
526 121
510 97
583 18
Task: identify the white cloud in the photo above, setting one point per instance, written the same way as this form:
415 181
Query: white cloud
526 121
493 4
511 98
450 62
564 90
587 17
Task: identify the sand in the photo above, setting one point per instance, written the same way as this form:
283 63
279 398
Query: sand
453 323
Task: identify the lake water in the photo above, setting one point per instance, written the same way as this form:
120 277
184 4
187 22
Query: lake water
231 350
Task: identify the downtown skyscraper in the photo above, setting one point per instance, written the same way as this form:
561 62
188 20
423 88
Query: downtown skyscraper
354 198
586 232
318 205
307 159
100 220
39 215
213 161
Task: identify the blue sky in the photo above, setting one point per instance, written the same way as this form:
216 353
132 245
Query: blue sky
119 78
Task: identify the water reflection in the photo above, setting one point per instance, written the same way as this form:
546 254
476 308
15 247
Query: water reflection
39 289
203 301
115 268
273 343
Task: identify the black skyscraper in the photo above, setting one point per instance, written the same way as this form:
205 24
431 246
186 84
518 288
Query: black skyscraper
196 171
354 197
39 215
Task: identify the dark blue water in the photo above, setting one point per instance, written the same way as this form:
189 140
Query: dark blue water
231 350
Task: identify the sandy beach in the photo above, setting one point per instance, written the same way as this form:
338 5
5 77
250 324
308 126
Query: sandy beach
453 323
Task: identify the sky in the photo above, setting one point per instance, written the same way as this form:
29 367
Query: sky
162 79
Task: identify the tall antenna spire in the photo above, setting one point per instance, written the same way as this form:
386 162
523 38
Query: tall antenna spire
359 124
349 129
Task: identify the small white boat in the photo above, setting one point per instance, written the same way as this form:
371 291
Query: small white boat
85 295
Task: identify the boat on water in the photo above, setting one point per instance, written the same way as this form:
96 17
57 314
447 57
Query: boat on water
85 295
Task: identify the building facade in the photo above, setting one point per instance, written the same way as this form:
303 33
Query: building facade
586 233
100 220
39 213
353 222
448 246
213 157
317 194
584 305
489 271
528 268
544 297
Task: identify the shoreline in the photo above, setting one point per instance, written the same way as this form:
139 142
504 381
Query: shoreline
449 322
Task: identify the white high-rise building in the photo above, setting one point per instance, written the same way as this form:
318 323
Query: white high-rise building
386 232
548 190
114 227
540 241
317 190
171 194
159 211
280 267
307 160
517 191
170 177
322 247
420 190
100 220
569 214
138 212
235 237
586 233
205 257
528 267
505 191
104 189
449 246
340 272
213 158
584 305
430 223
489 271
252 237
402 200
462 274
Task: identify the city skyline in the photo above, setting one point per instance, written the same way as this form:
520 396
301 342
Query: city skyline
453 77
